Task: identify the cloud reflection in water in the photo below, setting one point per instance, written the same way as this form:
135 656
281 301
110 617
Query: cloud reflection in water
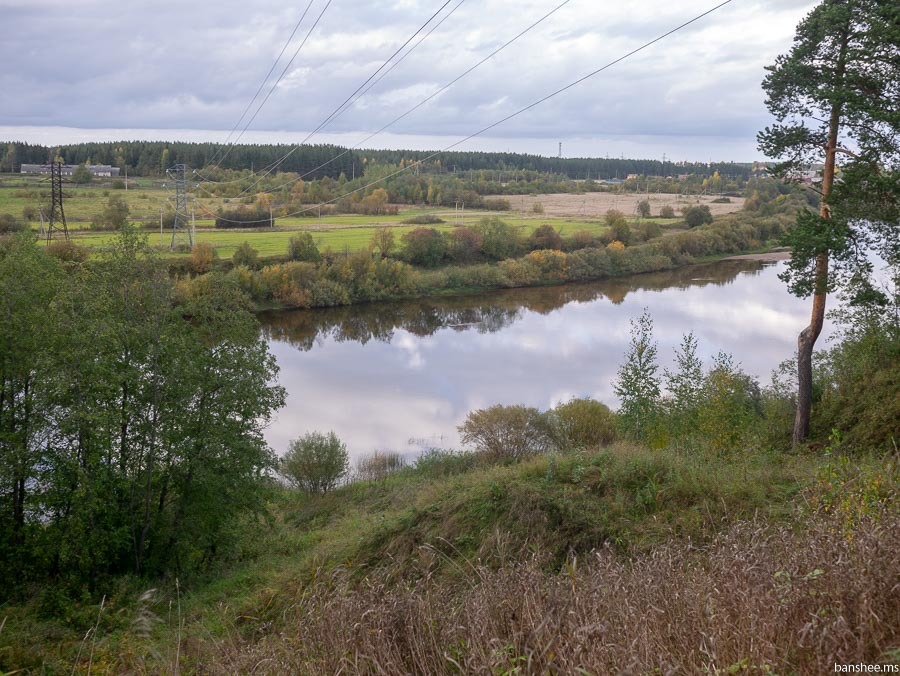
380 375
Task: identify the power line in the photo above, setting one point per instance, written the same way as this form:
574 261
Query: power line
410 51
344 105
433 95
339 110
427 98
264 80
521 110
283 71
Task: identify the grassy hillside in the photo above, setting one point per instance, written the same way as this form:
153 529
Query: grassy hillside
455 533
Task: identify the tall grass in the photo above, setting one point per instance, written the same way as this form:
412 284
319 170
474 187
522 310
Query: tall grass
758 599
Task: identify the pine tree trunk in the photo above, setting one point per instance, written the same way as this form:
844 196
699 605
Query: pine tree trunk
805 344
807 340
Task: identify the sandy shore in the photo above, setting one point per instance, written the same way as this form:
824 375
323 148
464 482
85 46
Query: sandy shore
768 256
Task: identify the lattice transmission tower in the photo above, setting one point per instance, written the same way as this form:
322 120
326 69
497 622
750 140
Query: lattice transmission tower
57 214
181 227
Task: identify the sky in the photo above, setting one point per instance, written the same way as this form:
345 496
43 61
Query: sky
103 70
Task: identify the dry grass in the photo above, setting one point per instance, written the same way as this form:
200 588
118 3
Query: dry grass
596 204
756 600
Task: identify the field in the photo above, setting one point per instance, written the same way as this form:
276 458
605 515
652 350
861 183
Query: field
595 204
146 197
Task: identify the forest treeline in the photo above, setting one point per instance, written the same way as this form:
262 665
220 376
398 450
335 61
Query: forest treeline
152 158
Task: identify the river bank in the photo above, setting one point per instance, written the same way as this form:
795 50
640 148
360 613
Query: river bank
351 278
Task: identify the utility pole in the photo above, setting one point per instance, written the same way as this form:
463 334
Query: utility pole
181 231
57 215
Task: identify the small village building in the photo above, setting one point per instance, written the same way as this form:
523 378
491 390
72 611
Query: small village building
101 170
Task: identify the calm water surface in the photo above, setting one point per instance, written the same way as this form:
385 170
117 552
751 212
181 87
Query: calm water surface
402 376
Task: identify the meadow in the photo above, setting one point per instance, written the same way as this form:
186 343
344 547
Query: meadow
147 198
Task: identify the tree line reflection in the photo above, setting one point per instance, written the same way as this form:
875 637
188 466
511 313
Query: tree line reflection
485 313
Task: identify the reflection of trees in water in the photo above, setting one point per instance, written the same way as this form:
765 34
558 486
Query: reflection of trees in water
486 313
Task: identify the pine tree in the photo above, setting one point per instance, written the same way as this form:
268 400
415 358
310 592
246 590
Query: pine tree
834 93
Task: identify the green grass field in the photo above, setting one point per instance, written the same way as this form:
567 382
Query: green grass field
147 196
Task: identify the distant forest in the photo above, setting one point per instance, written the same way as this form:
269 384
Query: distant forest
151 158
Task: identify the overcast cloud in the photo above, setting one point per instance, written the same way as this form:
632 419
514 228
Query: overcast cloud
181 70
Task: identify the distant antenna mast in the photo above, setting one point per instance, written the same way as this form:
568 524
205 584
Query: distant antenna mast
57 215
560 150
181 229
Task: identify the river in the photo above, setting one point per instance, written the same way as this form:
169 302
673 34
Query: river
402 376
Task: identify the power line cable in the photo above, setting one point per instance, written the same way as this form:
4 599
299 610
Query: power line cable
410 51
518 112
264 80
431 96
526 108
337 111
422 102
344 105
274 86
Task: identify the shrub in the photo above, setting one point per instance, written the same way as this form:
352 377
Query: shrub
550 264
722 200
501 241
203 256
383 241
667 212
545 237
581 239
302 248
245 218
379 465
439 462
245 255
697 215
620 231
424 219
67 251
588 263
506 432
466 244
582 423
649 230
643 208
496 204
316 462
537 208
9 223
113 216
612 216
424 246
730 403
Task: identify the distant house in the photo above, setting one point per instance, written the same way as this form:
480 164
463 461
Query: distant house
102 170
807 176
